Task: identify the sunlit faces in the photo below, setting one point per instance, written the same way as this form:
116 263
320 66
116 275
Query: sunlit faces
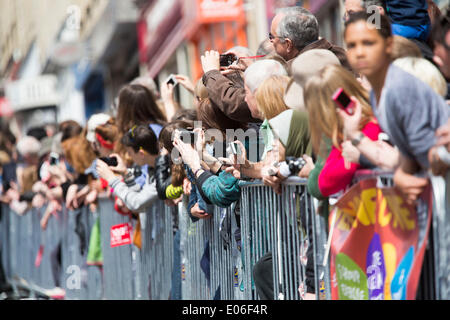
367 51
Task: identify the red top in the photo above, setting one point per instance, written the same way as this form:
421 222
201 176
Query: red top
334 177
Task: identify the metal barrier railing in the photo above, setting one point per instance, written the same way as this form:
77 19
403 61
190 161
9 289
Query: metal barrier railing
441 236
217 255
285 225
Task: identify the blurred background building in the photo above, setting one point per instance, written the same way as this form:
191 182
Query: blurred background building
67 59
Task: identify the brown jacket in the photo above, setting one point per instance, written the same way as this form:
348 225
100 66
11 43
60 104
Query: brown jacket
228 93
324 44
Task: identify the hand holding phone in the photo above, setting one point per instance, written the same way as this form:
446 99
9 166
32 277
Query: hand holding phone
110 161
172 80
235 149
343 101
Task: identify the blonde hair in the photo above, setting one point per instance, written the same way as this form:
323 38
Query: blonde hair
403 47
269 96
424 70
323 116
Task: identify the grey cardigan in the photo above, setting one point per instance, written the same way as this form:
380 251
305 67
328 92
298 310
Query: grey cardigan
410 112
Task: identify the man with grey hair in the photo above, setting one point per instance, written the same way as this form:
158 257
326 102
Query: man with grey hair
295 30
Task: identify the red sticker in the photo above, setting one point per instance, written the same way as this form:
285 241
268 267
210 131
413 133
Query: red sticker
120 235
37 261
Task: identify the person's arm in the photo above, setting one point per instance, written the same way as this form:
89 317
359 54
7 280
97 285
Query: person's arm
405 181
336 175
220 190
162 176
167 98
136 201
379 153
228 97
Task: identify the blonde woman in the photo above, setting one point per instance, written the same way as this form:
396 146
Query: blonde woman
324 120
270 103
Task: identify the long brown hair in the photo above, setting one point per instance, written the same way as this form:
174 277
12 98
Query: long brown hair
137 106
213 118
109 131
323 116
78 152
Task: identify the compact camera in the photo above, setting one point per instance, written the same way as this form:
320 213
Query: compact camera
110 161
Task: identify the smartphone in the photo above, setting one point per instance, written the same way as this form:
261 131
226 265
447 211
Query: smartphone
343 101
187 136
227 60
235 149
54 158
172 80
110 161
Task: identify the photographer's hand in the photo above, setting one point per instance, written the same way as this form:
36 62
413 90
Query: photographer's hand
210 61
104 171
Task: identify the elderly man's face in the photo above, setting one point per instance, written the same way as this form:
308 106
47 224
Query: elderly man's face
280 48
251 102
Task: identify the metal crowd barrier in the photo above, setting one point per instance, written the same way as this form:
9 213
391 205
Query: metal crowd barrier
40 260
441 236
214 259
285 225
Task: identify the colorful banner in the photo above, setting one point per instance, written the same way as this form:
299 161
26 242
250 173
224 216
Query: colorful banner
378 243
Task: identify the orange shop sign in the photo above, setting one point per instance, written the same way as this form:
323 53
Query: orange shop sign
219 10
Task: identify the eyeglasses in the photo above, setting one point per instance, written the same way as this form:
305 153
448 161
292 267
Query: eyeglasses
271 36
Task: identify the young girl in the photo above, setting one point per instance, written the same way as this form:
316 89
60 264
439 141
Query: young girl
408 110
324 120
141 144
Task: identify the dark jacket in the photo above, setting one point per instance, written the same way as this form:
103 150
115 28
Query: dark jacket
324 44
228 93
162 175
408 12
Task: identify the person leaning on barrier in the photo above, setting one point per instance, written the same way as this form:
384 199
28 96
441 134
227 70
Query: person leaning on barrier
337 173
408 110
254 76
141 144
219 187
169 176
79 154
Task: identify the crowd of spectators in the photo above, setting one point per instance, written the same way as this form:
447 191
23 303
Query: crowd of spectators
251 116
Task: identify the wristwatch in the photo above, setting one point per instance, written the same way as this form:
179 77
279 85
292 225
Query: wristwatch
356 141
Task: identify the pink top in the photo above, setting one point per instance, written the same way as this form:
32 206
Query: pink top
334 177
